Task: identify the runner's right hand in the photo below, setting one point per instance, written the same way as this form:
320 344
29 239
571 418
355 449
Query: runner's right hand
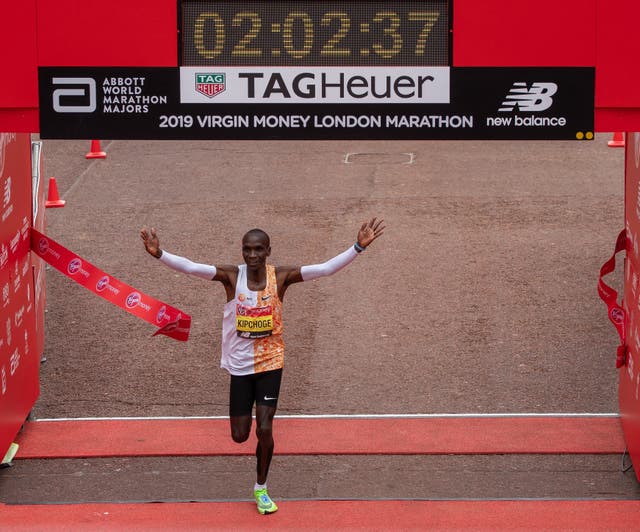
151 241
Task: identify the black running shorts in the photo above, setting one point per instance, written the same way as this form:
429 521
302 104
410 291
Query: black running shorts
260 388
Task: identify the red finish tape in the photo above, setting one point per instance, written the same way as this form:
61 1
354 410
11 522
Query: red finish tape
616 313
170 321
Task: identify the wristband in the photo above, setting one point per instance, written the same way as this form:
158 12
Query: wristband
358 248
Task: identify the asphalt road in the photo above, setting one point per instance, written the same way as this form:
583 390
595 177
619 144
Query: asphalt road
480 298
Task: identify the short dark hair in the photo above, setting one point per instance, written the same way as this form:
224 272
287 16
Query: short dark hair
260 234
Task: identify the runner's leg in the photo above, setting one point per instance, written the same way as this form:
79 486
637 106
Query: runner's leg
242 394
264 432
241 398
267 390
240 428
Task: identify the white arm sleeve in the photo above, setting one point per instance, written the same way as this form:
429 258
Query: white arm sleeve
205 271
330 267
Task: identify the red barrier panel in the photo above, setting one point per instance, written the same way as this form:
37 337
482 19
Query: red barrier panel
19 343
629 388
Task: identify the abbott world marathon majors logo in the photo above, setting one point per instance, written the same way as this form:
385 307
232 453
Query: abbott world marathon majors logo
526 98
109 94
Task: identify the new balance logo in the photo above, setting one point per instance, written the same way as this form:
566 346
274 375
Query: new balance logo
535 99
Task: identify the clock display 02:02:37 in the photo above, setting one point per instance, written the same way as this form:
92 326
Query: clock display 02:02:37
322 33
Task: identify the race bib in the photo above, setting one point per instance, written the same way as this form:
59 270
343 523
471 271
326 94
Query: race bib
254 322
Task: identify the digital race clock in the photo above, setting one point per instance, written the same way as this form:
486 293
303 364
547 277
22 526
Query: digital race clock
315 33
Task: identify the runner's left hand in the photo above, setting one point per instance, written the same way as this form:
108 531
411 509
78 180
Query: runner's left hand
370 231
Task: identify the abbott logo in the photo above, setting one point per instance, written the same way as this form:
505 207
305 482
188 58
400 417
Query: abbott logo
534 99
87 89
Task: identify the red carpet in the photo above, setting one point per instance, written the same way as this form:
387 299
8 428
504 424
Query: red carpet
201 437
330 515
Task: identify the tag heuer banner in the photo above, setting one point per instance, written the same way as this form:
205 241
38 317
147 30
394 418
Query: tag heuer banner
317 103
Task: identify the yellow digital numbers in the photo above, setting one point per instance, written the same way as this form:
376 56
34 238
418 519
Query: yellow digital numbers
331 48
428 20
255 24
390 24
304 25
204 20
349 32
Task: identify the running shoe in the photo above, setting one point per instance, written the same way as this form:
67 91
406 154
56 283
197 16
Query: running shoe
264 502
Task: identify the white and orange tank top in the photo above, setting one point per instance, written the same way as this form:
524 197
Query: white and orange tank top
252 327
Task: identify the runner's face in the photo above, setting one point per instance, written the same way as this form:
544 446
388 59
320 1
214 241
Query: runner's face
255 251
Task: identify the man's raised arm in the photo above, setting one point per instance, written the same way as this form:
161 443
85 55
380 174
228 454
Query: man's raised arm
369 232
152 245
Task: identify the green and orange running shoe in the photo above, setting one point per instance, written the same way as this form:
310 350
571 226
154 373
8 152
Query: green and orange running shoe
264 502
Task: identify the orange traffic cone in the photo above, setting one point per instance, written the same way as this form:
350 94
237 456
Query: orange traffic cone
53 199
618 141
95 152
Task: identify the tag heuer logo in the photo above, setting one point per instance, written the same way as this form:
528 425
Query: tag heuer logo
210 84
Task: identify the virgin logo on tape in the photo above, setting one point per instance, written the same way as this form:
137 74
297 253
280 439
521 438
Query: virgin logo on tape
134 299
103 284
162 314
75 266
43 248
